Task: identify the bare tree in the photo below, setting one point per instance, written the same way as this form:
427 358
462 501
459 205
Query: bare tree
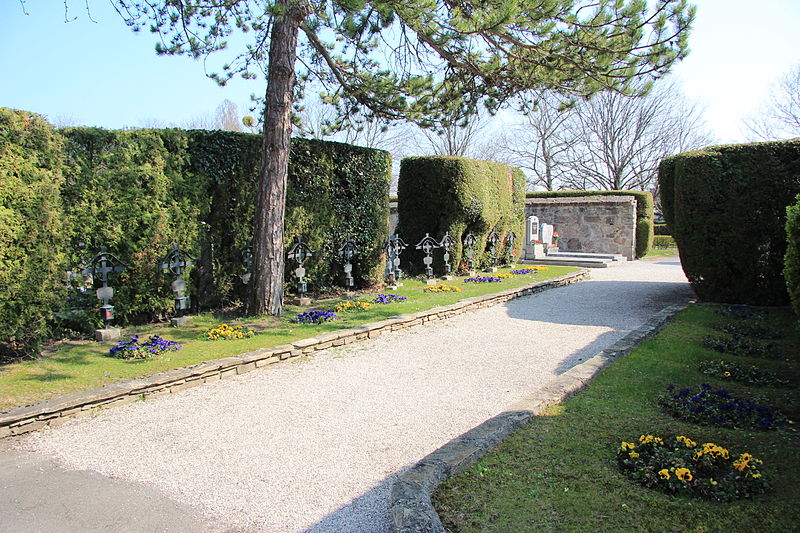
225 117
540 144
622 139
779 117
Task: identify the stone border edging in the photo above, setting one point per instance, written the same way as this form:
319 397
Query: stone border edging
58 410
411 507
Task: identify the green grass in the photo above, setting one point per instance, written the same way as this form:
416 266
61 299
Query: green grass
84 365
559 473
661 252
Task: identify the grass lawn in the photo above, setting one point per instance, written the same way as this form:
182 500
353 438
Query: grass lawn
661 252
559 472
83 365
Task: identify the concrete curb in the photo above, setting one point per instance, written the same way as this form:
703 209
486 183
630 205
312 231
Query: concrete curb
411 508
56 411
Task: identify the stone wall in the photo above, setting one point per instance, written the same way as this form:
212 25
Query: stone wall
598 224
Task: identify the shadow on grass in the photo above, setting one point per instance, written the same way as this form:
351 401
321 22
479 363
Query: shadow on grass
48 376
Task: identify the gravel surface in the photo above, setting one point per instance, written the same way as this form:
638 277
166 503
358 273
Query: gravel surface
314 445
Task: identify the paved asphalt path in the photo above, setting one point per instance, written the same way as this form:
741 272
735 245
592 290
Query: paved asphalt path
314 445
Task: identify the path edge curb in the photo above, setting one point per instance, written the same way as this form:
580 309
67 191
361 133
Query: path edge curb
60 409
410 503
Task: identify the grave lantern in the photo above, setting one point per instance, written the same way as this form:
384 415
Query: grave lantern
427 245
104 263
346 252
469 246
393 247
176 261
447 244
299 252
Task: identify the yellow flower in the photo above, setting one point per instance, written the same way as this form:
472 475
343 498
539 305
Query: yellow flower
684 474
712 481
689 443
727 374
644 439
633 455
755 476
627 446
664 473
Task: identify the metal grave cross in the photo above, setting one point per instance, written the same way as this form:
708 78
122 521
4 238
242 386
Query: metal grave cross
299 252
346 252
447 244
176 261
492 241
469 245
393 248
510 239
104 263
428 244
247 261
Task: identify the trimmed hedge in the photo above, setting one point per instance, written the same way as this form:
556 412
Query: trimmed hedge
660 229
439 194
31 230
644 212
663 241
726 207
137 192
791 267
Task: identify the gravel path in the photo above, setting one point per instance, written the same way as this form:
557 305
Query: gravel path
314 445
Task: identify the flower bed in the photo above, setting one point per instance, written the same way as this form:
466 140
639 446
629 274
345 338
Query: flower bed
718 407
351 306
738 345
154 347
314 317
482 279
733 371
442 287
388 299
679 465
755 328
226 332
523 271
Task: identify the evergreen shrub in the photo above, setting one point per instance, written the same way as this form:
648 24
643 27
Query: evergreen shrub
438 194
791 267
644 212
31 230
726 207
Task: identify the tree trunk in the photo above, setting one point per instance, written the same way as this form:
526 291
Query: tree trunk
268 253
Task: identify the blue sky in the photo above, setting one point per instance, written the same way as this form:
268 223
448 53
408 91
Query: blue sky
103 74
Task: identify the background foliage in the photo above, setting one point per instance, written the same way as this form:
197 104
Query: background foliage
137 192
644 212
31 230
441 194
726 209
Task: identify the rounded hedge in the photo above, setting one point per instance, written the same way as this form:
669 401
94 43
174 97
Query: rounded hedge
791 268
726 207
31 230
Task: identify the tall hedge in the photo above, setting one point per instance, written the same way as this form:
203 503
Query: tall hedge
439 194
31 230
137 192
644 212
791 267
726 208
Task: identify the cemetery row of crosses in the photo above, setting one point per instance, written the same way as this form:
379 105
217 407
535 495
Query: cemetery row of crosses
103 264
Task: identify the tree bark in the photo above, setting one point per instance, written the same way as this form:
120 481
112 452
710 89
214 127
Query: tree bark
270 205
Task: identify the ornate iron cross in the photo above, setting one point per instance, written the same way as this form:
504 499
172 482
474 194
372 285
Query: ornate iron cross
428 244
447 244
346 252
176 261
104 263
492 241
511 238
394 246
469 246
299 252
247 261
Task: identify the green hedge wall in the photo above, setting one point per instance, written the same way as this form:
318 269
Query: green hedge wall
727 213
791 267
644 212
31 230
439 194
66 193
